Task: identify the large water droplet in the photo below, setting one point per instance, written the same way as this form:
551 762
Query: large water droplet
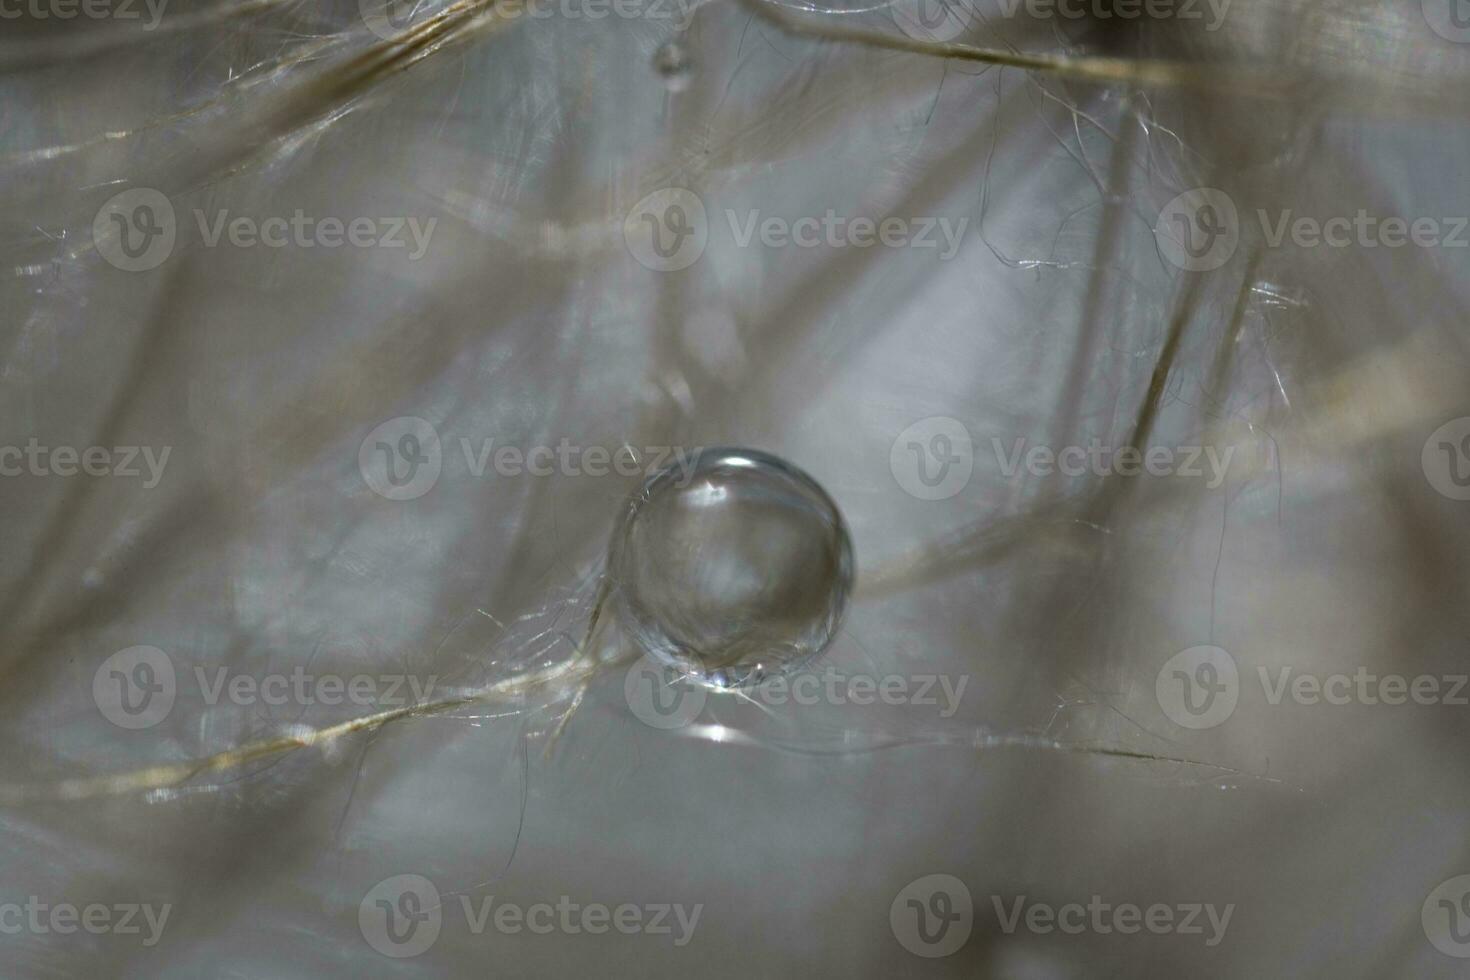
732 569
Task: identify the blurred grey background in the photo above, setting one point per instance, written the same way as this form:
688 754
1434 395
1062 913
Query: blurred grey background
608 216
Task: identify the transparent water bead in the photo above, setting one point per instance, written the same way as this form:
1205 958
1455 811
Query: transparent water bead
731 568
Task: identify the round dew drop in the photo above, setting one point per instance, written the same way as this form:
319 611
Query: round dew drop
731 570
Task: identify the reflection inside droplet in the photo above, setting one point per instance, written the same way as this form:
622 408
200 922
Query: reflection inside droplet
731 569
673 64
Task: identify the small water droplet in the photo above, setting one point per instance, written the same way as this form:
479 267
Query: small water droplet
732 569
674 66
